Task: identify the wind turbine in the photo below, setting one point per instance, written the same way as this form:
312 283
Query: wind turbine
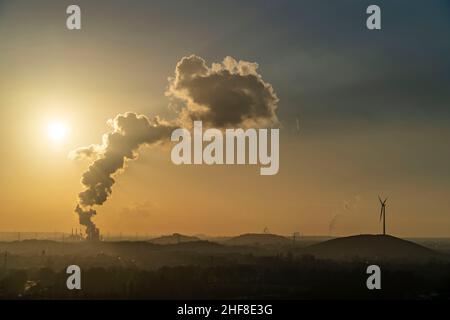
383 213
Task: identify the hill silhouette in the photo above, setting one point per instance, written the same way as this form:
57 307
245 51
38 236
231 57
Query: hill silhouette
174 239
379 247
257 239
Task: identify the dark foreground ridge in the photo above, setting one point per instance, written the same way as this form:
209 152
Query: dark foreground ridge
258 239
280 269
173 239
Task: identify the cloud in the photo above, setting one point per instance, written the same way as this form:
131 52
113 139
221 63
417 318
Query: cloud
227 94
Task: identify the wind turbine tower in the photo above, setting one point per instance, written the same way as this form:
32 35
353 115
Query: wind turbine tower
383 213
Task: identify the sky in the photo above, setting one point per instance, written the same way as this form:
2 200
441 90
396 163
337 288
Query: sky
373 109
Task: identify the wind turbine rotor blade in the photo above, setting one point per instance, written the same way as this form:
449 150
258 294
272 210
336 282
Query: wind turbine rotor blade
381 214
379 198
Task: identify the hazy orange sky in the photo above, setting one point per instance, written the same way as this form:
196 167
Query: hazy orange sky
369 124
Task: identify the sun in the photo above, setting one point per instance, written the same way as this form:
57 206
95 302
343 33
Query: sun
57 131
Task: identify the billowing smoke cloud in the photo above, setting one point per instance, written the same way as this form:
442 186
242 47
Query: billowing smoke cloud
129 132
228 94
85 217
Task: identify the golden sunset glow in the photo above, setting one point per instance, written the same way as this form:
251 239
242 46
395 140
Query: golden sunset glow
59 88
240 150
57 131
